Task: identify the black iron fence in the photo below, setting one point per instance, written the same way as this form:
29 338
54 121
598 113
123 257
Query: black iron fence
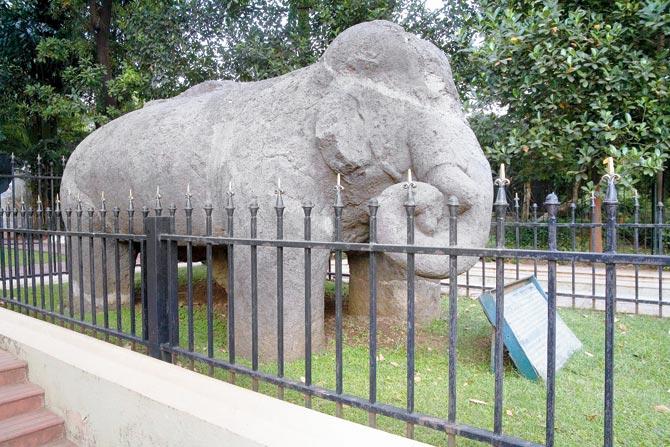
155 309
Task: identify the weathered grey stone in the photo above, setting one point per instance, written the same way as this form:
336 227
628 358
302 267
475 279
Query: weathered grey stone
378 102
431 228
391 291
21 192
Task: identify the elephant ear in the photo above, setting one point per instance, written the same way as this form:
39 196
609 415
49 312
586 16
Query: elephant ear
341 133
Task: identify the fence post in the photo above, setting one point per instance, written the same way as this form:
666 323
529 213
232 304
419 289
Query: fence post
611 203
551 204
158 287
500 206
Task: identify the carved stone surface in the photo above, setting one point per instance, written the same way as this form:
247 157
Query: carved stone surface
391 291
378 102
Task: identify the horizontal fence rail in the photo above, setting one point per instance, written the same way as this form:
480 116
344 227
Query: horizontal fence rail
129 276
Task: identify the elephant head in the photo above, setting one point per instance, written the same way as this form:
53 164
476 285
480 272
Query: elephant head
392 106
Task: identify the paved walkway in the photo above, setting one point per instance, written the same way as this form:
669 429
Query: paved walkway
587 283
652 291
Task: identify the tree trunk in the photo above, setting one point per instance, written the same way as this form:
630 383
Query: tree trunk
659 175
101 22
525 209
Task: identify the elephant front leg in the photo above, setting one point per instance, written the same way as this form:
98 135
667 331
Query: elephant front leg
391 290
257 304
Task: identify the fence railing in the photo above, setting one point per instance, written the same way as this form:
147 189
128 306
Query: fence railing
97 285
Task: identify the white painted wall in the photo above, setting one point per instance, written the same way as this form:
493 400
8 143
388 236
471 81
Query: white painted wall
111 396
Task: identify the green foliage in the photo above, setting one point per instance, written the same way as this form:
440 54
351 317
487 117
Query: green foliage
552 87
558 86
58 84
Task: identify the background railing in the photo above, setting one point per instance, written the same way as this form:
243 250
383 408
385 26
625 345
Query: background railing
43 248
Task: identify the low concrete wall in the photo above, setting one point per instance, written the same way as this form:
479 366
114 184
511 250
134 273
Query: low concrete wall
111 396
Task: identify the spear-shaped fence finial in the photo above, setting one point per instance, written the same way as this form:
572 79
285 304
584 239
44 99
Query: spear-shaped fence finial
410 186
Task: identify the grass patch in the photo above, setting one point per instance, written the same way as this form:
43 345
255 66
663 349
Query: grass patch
642 381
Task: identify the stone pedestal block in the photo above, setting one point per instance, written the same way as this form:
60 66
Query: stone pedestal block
391 291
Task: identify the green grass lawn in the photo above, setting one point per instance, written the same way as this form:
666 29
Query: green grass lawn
10 255
642 375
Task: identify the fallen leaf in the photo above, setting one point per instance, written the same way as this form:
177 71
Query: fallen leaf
591 417
588 353
662 408
394 364
477 401
622 327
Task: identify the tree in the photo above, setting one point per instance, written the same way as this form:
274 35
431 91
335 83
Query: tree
558 86
69 67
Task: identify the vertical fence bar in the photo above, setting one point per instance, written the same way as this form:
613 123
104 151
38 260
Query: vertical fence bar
279 210
30 256
611 203
210 297
40 192
57 244
40 251
7 251
500 209
26 254
483 274
659 251
143 281
51 182
68 261
636 247
116 212
15 235
338 207
52 239
593 249
230 249
516 232
253 210
51 255
551 204
172 285
188 211
2 255
573 246
373 206
453 314
103 264
410 209
91 258
307 231
12 165
131 268
535 225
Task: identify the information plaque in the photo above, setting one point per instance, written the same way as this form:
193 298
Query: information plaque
525 328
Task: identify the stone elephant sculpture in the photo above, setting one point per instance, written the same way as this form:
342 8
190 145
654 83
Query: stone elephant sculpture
378 102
